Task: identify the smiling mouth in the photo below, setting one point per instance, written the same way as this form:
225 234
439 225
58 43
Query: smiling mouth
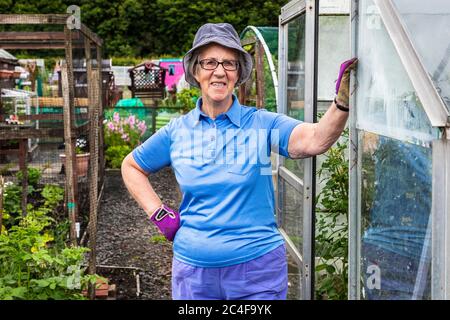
218 84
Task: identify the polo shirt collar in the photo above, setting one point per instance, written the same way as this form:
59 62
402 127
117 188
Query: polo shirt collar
234 113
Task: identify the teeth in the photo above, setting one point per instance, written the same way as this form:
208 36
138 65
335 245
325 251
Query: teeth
218 84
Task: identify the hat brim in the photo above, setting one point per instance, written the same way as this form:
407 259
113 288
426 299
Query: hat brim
246 69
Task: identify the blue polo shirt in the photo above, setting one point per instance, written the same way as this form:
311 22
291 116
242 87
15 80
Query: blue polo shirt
223 169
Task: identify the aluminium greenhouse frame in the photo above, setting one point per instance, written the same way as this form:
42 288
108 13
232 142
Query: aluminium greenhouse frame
438 116
305 186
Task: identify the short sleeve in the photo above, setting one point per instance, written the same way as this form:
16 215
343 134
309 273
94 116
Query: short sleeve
154 153
280 128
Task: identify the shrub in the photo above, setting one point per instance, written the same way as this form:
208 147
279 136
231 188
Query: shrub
34 175
121 136
32 266
332 225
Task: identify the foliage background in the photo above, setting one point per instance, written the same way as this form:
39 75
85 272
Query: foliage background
154 27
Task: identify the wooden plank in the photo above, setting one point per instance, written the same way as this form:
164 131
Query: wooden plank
33 18
91 35
49 116
58 102
259 57
32 36
23 146
30 133
31 46
2 183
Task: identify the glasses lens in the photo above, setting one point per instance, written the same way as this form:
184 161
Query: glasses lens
212 64
229 65
209 64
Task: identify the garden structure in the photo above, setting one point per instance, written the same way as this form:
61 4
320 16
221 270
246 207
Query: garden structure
261 89
148 82
7 69
150 101
80 80
69 125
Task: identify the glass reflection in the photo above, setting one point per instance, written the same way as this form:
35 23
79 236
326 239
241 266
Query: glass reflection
428 28
332 30
296 80
294 279
296 68
387 102
292 218
396 209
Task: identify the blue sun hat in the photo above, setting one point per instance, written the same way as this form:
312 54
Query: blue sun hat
225 35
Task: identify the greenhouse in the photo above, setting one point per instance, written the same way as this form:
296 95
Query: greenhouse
398 208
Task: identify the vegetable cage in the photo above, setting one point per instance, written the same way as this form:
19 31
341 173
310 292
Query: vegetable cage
59 139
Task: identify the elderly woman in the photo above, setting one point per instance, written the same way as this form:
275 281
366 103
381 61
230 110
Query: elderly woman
225 240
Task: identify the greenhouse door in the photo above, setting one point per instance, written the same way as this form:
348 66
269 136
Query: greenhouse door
400 168
295 178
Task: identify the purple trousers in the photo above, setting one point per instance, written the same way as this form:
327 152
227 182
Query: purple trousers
263 278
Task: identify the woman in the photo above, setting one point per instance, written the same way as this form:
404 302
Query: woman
226 243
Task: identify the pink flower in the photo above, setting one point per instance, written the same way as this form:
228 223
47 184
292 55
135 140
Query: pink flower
132 120
125 137
142 127
116 117
111 126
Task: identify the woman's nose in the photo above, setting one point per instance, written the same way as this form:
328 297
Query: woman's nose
219 70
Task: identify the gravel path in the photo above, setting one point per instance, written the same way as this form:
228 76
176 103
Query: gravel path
126 238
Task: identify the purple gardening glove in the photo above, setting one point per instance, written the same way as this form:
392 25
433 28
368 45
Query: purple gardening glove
167 221
343 81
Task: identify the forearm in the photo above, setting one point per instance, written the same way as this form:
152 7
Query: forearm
310 139
139 186
330 127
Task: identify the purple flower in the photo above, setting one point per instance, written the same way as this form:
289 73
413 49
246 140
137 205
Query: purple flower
116 117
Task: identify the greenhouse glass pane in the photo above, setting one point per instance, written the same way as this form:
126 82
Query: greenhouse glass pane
295 95
428 27
296 68
396 185
292 219
295 275
334 48
387 102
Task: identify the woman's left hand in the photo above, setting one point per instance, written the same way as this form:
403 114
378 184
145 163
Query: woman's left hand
343 81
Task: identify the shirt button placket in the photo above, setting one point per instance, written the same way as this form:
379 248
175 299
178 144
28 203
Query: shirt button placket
213 140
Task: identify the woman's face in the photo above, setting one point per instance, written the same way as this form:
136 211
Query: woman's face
217 85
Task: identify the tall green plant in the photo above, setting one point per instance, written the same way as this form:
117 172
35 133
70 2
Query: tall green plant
32 268
332 224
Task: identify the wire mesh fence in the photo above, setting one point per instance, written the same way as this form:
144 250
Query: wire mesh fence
51 129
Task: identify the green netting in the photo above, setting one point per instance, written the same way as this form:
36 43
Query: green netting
133 102
269 37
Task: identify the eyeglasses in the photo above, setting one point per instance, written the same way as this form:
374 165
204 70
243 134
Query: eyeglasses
212 64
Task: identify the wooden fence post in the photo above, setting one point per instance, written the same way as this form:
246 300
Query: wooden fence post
2 184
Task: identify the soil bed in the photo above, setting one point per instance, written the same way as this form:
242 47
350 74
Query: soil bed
126 238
